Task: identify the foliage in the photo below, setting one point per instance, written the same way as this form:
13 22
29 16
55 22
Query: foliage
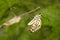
50 11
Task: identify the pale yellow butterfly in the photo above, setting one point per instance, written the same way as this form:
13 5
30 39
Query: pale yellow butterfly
35 23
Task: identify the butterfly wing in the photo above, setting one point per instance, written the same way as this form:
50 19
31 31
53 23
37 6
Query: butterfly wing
34 19
36 23
31 22
35 26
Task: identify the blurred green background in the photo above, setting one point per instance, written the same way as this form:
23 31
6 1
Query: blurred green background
50 11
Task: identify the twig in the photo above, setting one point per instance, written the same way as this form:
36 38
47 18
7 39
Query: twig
30 11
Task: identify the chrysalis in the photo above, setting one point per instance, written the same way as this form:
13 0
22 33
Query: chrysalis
35 23
12 21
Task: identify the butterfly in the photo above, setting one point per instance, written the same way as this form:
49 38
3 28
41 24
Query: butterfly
35 23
